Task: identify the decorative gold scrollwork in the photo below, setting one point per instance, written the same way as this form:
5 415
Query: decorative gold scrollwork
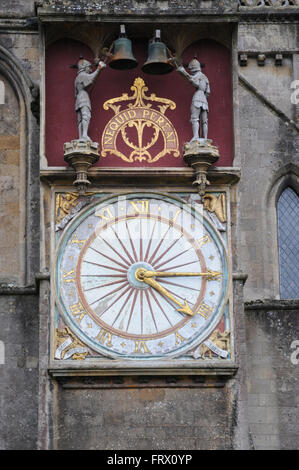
67 344
64 203
216 204
140 115
218 339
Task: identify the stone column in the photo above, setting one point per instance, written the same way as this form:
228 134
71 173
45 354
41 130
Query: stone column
241 431
45 393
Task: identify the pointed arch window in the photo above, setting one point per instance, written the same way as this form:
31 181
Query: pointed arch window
288 243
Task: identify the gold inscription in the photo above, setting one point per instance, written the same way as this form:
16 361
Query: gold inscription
149 124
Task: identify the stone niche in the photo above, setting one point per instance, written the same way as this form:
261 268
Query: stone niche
11 186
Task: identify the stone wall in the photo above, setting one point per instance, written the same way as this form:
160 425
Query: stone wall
19 227
268 147
17 8
19 372
273 385
169 417
158 418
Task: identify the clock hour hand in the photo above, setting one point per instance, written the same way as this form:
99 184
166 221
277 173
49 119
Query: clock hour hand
184 308
209 274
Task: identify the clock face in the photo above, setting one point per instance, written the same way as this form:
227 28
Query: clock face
141 276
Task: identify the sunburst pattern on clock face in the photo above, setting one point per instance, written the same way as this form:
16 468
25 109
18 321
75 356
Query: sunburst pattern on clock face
141 276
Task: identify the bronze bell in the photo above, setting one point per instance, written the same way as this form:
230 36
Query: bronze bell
157 62
123 58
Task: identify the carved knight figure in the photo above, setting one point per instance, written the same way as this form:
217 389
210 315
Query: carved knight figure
85 78
199 105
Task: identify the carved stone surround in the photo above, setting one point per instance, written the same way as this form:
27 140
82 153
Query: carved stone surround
268 3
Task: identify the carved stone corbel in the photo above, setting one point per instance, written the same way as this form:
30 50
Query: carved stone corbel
200 155
81 155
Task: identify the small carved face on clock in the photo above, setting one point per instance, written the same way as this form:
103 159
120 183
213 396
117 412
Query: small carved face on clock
141 276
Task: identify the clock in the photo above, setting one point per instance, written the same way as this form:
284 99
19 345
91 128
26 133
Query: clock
141 276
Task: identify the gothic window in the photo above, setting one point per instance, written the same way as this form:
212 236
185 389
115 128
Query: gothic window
288 243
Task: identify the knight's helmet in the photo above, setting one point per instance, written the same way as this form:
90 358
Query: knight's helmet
194 65
83 64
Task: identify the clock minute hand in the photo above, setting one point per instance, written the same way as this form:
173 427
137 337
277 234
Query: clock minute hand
209 274
183 308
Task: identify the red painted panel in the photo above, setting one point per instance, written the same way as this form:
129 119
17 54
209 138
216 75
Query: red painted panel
61 119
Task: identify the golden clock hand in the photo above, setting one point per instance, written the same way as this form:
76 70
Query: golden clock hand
183 308
209 274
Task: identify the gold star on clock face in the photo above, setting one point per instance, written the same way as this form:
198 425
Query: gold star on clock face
160 344
212 293
211 257
123 345
90 225
193 325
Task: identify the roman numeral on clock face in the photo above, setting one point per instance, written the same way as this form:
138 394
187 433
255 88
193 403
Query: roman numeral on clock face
75 241
141 207
104 337
78 310
178 338
202 241
204 310
141 347
68 276
105 214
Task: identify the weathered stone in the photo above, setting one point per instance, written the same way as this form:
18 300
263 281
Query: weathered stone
258 407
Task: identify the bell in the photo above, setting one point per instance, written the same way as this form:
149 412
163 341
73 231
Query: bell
157 62
123 58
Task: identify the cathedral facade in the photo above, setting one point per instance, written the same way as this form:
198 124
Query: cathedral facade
149 180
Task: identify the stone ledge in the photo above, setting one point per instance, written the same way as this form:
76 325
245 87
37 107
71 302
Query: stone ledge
114 367
239 276
13 289
99 176
6 289
107 375
269 304
142 381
